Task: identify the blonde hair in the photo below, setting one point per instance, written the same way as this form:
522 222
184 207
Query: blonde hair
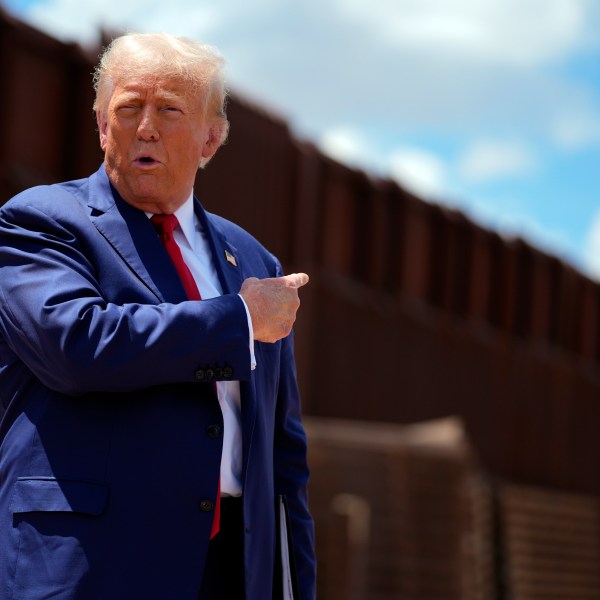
163 55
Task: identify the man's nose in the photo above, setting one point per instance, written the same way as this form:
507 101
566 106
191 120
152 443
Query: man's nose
148 126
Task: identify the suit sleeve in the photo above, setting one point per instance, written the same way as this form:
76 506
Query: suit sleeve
58 320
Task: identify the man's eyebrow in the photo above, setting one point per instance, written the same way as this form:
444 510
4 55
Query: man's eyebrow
161 96
128 96
170 97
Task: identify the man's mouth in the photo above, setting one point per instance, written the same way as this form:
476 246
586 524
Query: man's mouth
146 161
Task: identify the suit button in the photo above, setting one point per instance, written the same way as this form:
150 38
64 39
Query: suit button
218 373
209 374
213 431
207 505
199 374
227 372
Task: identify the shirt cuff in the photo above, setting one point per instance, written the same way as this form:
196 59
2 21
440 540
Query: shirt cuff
250 335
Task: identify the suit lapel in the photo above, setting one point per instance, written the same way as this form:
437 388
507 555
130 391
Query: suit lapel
225 256
132 236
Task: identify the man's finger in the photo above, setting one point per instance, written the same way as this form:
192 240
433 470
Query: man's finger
296 280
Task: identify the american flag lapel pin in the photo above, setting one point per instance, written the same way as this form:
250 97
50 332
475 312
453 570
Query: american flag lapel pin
230 258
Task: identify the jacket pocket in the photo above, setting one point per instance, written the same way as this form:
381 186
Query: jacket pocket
47 494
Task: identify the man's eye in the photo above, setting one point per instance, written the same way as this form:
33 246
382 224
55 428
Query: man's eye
126 110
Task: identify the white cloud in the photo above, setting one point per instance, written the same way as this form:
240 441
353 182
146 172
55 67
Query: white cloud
487 160
514 32
424 173
573 131
346 144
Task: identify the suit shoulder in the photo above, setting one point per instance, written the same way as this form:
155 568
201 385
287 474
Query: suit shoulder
53 199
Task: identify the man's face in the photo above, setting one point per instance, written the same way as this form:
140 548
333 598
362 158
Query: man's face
154 134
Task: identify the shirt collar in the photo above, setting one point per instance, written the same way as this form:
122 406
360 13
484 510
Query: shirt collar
187 220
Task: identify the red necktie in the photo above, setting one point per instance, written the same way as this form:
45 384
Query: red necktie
164 226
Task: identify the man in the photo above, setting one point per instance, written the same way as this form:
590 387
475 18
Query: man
148 434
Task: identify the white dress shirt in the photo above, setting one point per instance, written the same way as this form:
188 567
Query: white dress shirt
196 253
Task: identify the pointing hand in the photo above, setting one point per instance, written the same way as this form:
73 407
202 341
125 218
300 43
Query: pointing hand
273 304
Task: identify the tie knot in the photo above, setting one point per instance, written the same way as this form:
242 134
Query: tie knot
164 223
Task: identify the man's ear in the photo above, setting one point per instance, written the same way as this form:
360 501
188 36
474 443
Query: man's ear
102 128
212 142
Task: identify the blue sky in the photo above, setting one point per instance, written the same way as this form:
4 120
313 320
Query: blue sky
489 106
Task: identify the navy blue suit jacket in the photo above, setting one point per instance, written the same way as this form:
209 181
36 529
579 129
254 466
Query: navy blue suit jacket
109 456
